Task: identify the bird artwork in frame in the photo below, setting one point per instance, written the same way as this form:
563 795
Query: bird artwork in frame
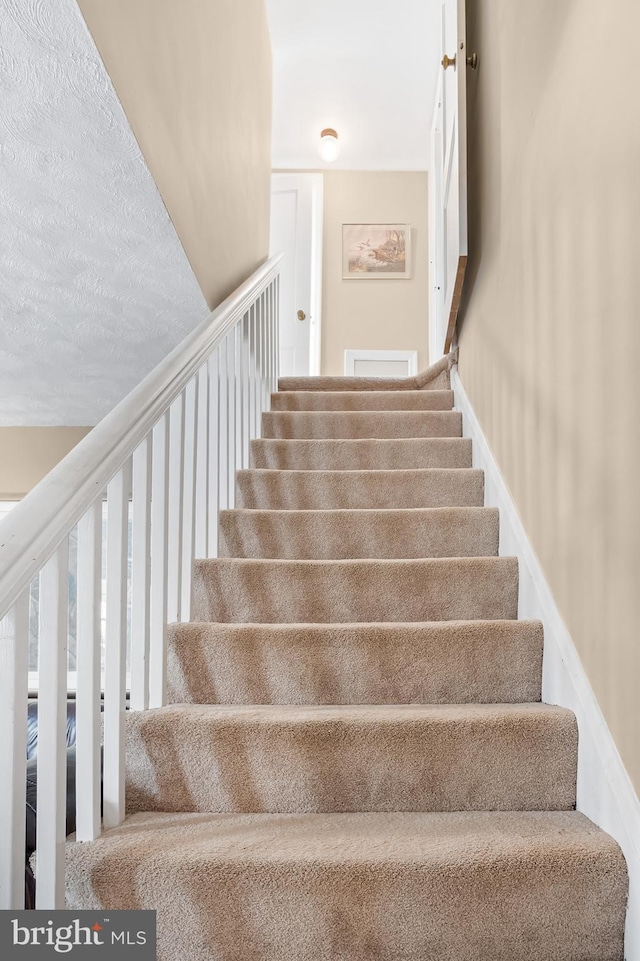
376 251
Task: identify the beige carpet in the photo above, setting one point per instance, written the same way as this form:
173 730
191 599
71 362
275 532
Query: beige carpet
435 377
354 762
360 424
362 400
442 662
364 887
411 453
344 534
323 759
364 489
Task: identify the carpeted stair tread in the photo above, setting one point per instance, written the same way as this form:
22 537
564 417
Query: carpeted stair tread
443 662
438 662
340 383
365 489
413 453
282 591
331 758
435 377
354 425
344 534
362 400
478 886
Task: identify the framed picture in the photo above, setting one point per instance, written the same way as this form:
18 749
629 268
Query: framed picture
376 251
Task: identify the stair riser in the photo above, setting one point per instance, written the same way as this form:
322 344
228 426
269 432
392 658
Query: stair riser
252 760
381 454
359 490
475 899
322 592
337 535
448 663
318 425
363 400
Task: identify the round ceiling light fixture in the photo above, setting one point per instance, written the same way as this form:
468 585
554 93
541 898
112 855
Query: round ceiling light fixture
329 146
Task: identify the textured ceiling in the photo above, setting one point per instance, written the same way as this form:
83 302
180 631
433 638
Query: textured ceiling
366 67
95 288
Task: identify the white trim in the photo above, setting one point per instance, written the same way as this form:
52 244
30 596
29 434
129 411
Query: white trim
309 188
317 235
410 356
436 239
605 792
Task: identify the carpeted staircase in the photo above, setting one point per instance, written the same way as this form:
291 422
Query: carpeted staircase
354 763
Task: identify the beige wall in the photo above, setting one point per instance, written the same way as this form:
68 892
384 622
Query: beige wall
194 78
28 453
550 344
373 314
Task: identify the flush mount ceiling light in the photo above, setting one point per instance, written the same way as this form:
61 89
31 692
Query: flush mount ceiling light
329 147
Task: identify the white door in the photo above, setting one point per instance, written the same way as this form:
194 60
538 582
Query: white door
296 231
448 234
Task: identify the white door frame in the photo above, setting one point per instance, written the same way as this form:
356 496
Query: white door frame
436 239
448 182
314 181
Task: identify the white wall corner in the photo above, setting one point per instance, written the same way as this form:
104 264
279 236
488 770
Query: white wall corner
605 792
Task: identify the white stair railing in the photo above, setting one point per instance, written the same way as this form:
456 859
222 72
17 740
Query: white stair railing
164 459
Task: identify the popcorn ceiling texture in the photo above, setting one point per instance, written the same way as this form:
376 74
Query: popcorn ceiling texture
95 287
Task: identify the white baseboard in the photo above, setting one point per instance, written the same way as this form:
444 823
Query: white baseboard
605 793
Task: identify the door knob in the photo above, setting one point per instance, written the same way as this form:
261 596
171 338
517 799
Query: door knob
448 61
302 315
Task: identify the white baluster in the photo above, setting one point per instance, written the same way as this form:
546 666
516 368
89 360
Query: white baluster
274 345
214 442
259 353
188 501
176 494
223 426
202 465
268 366
266 377
260 356
275 312
245 382
239 399
254 328
116 646
159 565
232 375
52 729
14 647
266 355
140 575
239 402
89 657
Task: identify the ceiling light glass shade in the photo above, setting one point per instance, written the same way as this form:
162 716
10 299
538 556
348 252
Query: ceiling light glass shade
329 146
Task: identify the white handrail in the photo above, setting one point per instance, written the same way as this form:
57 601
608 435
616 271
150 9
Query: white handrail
166 458
32 531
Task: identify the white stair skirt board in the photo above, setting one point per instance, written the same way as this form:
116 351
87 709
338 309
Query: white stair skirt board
605 792
380 363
